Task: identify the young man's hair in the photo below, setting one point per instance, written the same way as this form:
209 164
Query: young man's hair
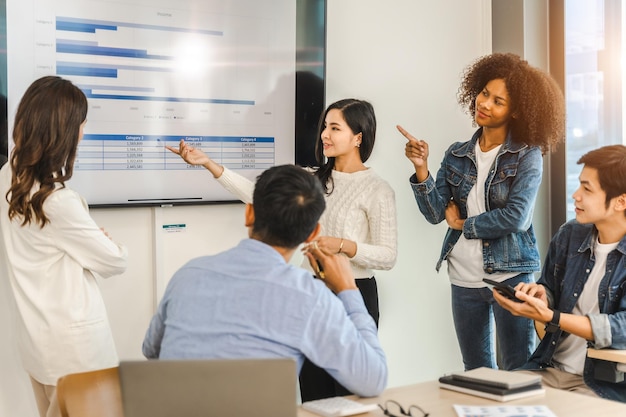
610 162
288 202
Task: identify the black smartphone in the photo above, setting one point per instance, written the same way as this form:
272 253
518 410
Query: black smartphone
504 289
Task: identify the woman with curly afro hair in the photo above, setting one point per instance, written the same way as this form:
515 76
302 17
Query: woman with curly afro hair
485 190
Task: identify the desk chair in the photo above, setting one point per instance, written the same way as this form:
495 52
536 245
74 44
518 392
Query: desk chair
90 394
610 364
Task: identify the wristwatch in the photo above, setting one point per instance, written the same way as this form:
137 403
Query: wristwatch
553 325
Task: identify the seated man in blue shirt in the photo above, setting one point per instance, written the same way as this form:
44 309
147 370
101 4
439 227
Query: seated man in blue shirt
581 293
249 302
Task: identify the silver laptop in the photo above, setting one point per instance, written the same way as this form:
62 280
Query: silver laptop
203 388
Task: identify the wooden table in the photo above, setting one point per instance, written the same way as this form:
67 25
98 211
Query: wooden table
439 402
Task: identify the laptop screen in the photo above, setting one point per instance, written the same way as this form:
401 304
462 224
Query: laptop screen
224 387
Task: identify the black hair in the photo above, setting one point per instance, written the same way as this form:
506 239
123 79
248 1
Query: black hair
610 162
288 202
360 118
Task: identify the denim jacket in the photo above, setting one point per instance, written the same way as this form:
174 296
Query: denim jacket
508 240
567 266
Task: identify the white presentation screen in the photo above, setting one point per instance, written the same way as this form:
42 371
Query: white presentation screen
218 73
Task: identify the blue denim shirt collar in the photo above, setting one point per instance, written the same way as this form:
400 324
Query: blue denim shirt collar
592 237
467 149
589 242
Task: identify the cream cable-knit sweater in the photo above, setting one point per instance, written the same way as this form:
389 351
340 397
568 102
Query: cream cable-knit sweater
362 208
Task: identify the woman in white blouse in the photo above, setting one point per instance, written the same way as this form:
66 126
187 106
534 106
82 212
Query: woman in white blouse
53 247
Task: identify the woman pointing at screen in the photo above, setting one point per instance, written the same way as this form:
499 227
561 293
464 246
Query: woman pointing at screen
360 217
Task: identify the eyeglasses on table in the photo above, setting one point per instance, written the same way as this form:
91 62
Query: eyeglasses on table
393 408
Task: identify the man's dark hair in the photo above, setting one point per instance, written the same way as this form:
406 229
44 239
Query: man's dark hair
288 202
610 162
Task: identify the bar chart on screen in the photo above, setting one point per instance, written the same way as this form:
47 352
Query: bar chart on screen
195 73
220 75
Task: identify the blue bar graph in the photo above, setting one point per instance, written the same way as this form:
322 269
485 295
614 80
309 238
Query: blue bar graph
86 71
73 48
78 26
113 66
73 24
82 52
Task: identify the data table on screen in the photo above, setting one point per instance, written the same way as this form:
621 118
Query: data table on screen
140 152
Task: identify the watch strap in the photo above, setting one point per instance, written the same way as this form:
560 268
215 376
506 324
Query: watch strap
554 324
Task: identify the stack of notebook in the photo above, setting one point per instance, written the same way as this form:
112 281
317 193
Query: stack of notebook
494 384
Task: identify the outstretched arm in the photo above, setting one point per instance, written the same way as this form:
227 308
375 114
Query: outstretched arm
195 156
237 184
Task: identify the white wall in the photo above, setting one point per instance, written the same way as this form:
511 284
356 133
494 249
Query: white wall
406 58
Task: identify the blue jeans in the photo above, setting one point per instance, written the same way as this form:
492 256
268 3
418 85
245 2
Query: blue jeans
474 311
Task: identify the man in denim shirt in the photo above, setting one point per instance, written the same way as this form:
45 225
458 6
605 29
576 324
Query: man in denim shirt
581 293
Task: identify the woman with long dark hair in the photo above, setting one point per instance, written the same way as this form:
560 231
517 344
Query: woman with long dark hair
54 248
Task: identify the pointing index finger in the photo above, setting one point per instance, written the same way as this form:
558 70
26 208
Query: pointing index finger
406 134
